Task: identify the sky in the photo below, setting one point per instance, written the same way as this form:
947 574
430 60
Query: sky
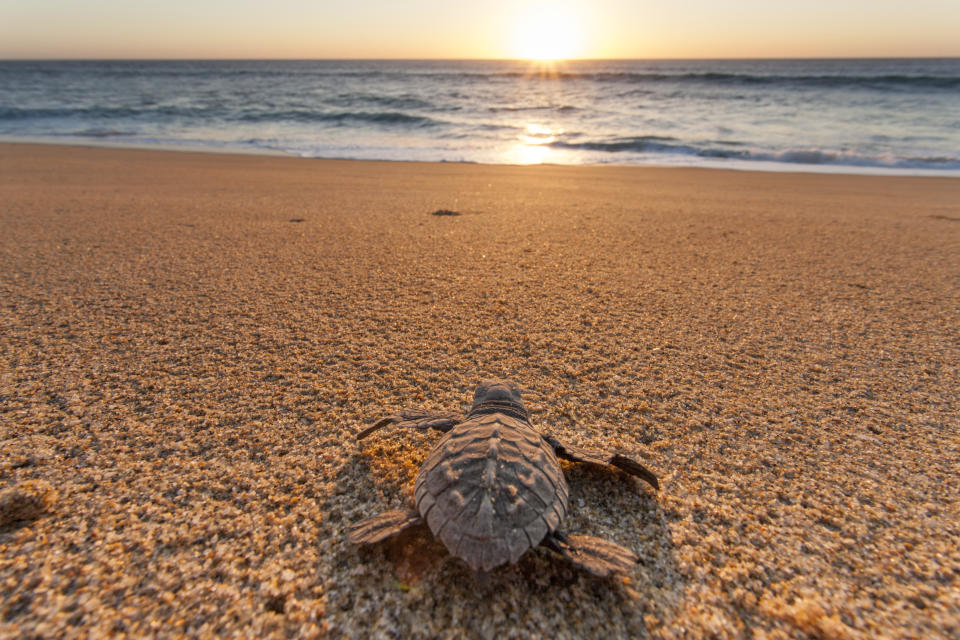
38 29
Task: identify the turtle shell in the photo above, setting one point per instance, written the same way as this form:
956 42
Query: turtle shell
491 489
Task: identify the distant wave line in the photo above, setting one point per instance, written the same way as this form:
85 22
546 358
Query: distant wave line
839 80
663 144
306 115
224 114
316 70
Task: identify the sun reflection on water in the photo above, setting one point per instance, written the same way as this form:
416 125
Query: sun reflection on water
524 154
538 134
533 146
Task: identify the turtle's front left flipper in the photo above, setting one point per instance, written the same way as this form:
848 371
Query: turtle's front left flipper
599 557
576 454
383 526
416 419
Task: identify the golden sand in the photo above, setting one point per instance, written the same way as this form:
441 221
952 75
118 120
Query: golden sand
190 342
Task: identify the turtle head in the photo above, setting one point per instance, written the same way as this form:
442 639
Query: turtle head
497 392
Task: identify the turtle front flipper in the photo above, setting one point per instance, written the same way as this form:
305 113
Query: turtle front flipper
576 454
598 556
416 419
383 526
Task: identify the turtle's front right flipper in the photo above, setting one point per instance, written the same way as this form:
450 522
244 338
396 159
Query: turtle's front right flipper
576 454
598 556
383 526
416 419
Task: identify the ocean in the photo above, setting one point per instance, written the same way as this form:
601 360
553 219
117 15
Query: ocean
860 116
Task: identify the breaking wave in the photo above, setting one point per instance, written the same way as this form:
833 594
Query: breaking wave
734 151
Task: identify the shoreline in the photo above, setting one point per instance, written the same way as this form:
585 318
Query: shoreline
748 166
192 341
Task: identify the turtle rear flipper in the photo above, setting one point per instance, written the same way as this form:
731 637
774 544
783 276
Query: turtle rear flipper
383 526
575 454
598 556
415 419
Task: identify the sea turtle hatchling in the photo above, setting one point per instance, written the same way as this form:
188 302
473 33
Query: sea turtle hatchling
492 488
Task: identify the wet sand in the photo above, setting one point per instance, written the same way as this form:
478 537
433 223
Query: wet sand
190 342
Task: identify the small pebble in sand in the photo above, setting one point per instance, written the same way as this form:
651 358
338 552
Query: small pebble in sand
26 501
445 212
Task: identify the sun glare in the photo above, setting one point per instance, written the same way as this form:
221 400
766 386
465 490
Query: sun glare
547 31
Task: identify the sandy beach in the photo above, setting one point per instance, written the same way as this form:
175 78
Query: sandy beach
190 343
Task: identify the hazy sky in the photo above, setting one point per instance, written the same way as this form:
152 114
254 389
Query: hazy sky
491 29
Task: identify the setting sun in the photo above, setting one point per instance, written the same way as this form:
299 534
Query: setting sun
547 31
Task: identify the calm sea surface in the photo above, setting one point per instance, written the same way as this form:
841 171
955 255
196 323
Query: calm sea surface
873 116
